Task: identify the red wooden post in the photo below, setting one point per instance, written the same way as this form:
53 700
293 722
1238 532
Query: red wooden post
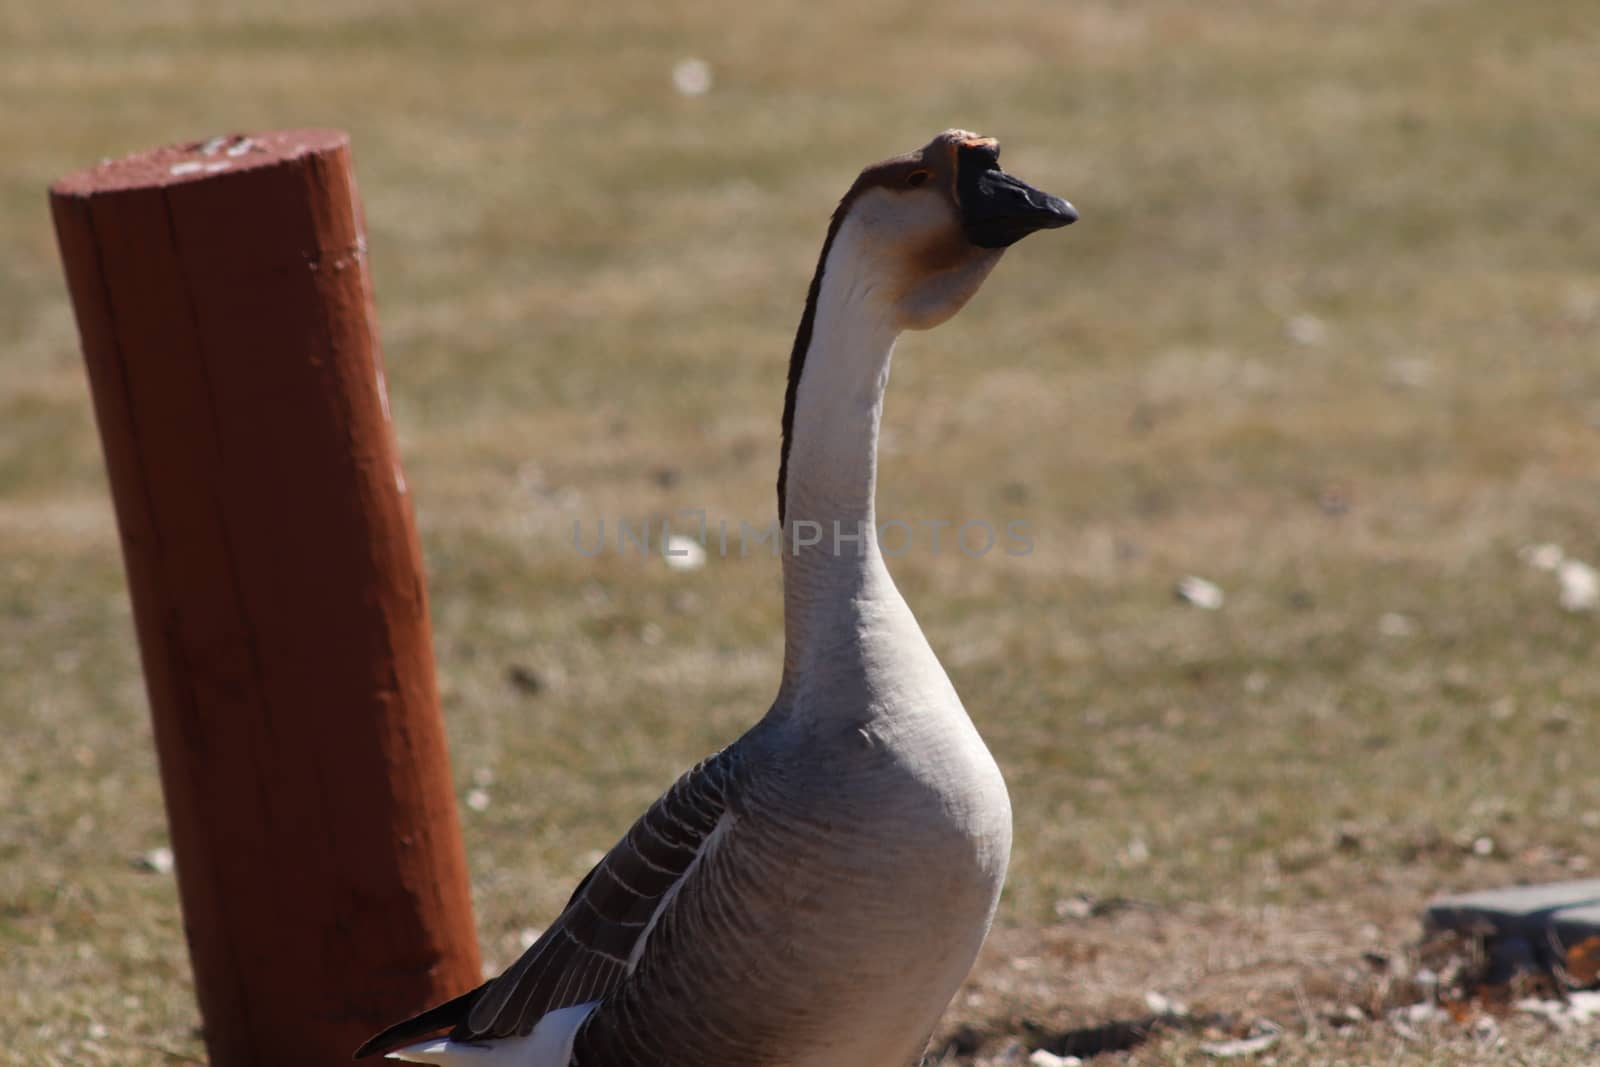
225 307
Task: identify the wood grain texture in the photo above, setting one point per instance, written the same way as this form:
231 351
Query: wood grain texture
224 302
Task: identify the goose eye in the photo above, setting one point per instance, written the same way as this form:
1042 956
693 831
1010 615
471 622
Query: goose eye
918 177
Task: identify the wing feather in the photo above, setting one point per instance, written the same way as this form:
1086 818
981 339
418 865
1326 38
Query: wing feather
586 952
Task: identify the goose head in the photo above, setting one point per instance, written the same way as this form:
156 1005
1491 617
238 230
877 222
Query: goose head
908 246
927 227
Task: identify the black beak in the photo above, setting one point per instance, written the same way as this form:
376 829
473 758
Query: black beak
998 210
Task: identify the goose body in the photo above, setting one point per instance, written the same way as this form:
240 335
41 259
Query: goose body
814 894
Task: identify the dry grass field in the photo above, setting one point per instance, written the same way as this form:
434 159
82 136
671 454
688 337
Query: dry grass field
1327 336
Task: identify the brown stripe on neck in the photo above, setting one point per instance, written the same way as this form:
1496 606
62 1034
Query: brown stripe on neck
891 172
797 357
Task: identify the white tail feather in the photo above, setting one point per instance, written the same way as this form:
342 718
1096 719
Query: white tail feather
550 1045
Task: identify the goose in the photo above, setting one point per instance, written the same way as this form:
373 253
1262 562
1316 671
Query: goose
814 894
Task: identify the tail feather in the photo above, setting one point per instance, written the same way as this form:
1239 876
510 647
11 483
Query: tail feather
549 1045
448 1014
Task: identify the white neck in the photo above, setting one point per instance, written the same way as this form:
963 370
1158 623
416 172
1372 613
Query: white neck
836 588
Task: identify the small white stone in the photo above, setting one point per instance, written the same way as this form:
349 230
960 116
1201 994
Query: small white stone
684 553
1405 1020
1307 330
1580 585
528 935
1244 1046
692 77
1200 593
478 799
1045 1058
1078 907
158 860
1161 1004
1583 1007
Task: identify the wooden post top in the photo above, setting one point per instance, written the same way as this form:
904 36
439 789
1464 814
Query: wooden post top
192 161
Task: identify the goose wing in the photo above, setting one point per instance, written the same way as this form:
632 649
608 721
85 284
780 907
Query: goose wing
598 938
